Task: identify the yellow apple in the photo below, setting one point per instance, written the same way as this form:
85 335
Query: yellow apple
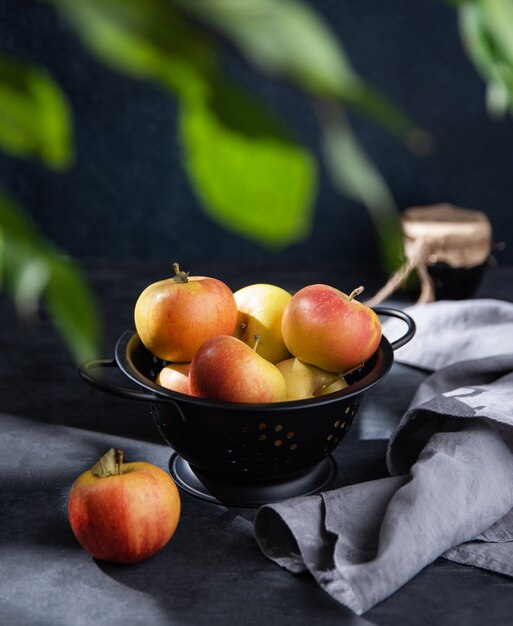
261 308
305 381
175 376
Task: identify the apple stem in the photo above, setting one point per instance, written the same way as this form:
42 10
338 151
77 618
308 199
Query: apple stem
119 462
257 339
330 382
356 292
180 277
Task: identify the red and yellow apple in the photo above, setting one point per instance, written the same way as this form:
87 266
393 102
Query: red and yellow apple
261 308
307 381
173 317
123 512
175 376
225 368
329 329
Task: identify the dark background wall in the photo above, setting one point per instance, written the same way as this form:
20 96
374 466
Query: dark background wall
127 196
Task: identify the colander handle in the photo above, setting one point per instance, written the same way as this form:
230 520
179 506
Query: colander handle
400 315
84 371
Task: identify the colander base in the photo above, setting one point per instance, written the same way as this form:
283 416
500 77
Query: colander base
235 494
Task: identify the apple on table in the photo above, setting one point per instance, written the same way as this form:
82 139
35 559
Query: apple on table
123 512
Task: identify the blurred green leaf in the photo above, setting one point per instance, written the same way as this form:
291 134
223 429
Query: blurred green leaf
34 270
31 280
285 38
20 248
290 40
251 177
485 27
155 39
35 120
354 174
482 52
498 18
149 40
72 307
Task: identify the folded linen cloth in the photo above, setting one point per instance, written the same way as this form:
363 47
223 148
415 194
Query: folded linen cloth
450 492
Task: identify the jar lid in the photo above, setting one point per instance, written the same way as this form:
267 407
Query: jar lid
448 234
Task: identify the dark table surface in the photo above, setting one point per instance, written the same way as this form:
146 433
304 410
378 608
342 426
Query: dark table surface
212 572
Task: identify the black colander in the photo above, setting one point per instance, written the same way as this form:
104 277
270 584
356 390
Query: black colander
247 454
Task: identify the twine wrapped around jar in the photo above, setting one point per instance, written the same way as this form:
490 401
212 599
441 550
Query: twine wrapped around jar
441 233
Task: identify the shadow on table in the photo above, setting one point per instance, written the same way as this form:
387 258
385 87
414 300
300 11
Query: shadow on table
212 570
38 466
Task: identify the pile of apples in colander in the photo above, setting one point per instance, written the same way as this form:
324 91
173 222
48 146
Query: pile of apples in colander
259 344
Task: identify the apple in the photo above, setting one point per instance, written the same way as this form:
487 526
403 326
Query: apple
307 381
173 317
123 512
175 376
327 328
225 368
261 308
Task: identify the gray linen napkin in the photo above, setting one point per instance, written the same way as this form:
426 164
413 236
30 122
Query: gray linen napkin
450 492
